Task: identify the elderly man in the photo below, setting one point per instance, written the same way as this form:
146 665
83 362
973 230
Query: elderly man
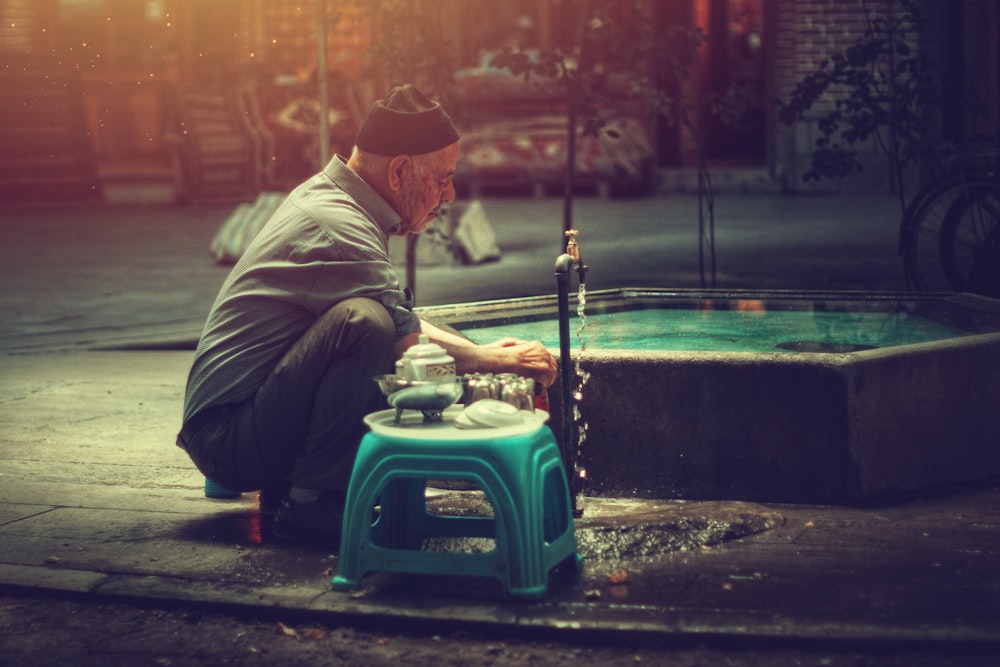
313 310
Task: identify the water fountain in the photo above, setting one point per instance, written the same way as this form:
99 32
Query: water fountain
812 397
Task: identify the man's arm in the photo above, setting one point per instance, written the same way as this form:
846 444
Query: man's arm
508 355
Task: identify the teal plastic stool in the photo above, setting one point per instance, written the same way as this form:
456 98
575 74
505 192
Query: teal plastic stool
214 490
522 477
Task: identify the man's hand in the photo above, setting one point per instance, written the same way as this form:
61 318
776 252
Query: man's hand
526 358
507 355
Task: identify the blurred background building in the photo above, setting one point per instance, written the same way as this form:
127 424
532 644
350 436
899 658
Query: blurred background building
221 99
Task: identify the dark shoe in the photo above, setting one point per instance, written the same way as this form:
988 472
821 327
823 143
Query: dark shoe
271 497
317 522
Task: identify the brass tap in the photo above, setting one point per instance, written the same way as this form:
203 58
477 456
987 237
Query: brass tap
572 249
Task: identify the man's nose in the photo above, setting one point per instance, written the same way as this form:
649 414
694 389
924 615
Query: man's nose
449 194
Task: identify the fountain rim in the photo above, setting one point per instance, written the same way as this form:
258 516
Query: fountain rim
460 311
497 311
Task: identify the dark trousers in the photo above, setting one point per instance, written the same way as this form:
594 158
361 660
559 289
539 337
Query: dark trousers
304 423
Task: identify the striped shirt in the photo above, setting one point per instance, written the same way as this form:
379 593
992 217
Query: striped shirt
327 242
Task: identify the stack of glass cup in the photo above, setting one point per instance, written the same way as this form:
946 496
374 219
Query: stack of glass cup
507 387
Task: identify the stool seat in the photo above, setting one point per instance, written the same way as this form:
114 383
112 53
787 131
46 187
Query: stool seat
520 473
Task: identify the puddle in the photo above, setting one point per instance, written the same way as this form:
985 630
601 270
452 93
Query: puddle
617 529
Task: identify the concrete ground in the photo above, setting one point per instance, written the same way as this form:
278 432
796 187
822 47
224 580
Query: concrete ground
102 306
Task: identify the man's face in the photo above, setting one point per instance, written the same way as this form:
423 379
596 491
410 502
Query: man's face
427 183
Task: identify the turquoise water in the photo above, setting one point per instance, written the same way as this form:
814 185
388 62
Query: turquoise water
733 330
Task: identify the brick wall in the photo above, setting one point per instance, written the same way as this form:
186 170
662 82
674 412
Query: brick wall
805 33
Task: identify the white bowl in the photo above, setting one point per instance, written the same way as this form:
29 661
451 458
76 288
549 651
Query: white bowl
489 412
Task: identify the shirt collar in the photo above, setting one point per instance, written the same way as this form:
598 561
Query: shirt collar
385 216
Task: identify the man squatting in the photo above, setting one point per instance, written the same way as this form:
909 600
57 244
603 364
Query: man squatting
282 375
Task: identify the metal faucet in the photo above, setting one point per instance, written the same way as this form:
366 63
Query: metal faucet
565 263
572 257
572 248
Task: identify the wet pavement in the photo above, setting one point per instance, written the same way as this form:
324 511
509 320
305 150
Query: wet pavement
102 305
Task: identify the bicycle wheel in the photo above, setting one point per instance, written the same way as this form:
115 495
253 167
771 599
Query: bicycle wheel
970 239
922 231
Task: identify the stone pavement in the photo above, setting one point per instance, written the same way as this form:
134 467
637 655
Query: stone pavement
102 305
141 274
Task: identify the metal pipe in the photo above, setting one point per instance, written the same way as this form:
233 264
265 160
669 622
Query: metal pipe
564 264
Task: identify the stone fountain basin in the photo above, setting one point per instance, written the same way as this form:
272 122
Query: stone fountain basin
795 427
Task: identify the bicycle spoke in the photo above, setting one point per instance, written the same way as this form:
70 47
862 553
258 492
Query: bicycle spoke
970 253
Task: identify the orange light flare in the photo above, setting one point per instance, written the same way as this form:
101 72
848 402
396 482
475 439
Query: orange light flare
254 535
701 16
753 306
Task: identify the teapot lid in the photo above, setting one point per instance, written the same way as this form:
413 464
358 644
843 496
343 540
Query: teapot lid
425 348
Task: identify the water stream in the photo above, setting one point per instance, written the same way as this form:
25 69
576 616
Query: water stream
582 377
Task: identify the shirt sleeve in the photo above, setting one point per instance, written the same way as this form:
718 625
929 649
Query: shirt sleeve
348 258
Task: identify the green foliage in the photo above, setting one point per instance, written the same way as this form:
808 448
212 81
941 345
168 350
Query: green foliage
879 84
412 45
662 64
657 67
581 81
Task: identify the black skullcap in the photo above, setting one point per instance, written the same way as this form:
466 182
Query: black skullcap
406 122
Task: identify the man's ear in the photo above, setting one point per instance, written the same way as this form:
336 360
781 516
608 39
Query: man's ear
397 167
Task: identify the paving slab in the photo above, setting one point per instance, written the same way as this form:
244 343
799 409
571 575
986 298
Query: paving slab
95 499
103 304
139 276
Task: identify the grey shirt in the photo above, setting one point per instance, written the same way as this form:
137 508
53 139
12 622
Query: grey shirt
327 242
